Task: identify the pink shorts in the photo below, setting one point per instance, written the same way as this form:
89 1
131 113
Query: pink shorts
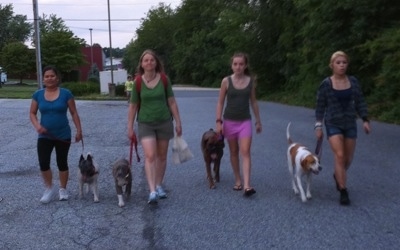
237 129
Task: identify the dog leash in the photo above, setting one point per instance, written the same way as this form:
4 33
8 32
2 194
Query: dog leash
133 143
64 141
318 148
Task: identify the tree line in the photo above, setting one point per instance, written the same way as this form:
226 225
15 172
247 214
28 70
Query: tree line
289 43
59 46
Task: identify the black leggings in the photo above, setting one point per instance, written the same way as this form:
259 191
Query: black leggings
45 148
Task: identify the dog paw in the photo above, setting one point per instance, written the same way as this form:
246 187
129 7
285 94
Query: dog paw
121 204
309 196
96 200
304 199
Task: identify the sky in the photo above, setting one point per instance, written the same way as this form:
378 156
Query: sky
82 15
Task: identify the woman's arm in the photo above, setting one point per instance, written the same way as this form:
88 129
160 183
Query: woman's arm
254 106
220 104
75 118
33 117
132 110
173 107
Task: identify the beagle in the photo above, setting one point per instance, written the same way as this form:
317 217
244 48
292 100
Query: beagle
301 162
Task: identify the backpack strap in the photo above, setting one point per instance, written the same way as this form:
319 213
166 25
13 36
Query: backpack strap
138 83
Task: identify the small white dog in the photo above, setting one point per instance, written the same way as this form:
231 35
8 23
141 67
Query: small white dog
88 174
301 162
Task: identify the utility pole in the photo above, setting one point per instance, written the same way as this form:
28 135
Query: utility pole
91 48
37 44
109 35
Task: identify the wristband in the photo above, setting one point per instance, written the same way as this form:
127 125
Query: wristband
318 125
219 120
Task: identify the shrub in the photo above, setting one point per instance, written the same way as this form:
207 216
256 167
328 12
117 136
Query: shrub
82 88
120 90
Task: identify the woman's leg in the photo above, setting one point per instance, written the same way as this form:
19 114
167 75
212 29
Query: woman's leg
62 150
44 149
349 148
161 162
234 157
47 178
149 145
337 143
244 146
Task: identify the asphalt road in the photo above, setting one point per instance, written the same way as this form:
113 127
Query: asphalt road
193 216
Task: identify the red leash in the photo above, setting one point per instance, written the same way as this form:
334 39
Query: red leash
134 143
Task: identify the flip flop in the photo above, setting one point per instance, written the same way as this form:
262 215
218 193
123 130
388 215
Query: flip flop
237 187
249 192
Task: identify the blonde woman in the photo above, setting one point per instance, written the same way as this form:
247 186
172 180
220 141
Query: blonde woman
340 102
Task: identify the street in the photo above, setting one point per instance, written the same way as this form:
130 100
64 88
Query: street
194 216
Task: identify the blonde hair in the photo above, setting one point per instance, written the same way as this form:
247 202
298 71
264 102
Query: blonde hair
336 55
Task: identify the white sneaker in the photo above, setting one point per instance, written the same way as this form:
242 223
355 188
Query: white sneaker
161 193
153 198
63 194
47 196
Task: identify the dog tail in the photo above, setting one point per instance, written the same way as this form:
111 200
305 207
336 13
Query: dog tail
288 134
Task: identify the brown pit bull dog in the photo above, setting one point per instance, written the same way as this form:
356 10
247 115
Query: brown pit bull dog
212 146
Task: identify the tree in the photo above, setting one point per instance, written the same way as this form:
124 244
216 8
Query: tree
14 28
59 46
156 33
199 52
19 59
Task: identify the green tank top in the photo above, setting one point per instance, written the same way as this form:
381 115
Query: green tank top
238 102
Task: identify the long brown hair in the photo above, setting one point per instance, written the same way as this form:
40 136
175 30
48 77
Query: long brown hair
159 66
246 61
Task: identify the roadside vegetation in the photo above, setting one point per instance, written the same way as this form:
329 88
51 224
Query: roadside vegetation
289 44
81 91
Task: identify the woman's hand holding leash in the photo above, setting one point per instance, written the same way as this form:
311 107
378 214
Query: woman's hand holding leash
367 128
41 130
258 127
78 136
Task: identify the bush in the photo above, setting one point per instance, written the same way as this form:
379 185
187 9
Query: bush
120 90
82 88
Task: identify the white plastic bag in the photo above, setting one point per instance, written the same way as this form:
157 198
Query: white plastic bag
180 151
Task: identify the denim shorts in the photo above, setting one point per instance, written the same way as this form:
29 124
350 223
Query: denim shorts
350 132
163 130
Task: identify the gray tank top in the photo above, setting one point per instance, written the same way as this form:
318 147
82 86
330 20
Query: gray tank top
237 102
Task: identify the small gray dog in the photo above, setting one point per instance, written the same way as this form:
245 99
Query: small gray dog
88 174
123 177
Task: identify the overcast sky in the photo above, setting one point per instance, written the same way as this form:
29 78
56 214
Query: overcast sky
81 15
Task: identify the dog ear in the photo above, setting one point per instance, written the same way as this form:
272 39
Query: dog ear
90 158
81 159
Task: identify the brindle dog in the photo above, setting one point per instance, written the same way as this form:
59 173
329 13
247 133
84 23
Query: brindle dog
88 175
123 177
212 146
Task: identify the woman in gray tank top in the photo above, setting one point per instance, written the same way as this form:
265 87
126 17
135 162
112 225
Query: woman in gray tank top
235 122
